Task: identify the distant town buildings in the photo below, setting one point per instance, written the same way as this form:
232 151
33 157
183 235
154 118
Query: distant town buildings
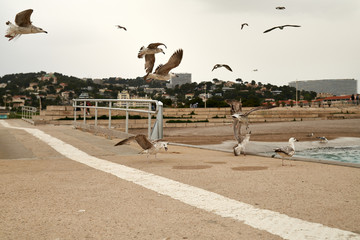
182 78
125 95
336 87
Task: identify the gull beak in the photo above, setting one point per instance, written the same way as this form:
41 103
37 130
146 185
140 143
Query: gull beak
176 75
166 148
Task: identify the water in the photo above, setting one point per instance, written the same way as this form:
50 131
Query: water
349 154
346 149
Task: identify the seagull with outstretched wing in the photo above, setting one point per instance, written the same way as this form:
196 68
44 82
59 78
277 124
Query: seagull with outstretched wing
222 65
281 27
149 53
23 25
150 147
243 25
121 27
162 72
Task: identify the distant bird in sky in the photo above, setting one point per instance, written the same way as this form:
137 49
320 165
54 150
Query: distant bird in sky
244 24
149 53
281 27
150 147
23 25
222 65
280 8
287 151
162 72
121 27
255 70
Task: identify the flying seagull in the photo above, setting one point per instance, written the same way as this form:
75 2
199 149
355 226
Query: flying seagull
243 117
287 151
150 147
149 53
240 118
23 25
235 105
244 24
152 48
222 65
121 27
281 27
162 72
323 139
280 8
242 142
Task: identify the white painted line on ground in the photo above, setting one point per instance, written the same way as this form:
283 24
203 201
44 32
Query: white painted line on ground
270 221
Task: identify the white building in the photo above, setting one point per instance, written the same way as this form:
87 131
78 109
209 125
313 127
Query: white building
125 95
182 78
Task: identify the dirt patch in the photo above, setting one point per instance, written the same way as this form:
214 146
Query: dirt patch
194 167
249 168
216 162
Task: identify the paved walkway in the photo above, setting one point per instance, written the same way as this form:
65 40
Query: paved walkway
173 207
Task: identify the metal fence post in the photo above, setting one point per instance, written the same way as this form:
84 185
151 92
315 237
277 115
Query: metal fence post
75 107
127 118
110 114
96 112
84 112
149 121
159 118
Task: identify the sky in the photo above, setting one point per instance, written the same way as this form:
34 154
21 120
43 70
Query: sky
83 41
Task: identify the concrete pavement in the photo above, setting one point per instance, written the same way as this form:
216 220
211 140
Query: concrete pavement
61 198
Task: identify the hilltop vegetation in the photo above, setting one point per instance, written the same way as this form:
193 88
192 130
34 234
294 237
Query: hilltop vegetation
59 89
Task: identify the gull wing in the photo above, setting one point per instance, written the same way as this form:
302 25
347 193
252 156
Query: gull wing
125 141
286 150
149 62
22 19
227 67
291 26
216 66
142 140
173 62
257 108
270 29
121 27
155 45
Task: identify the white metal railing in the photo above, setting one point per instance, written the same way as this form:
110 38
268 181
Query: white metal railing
156 132
27 112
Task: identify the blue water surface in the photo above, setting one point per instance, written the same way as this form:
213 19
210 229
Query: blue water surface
350 154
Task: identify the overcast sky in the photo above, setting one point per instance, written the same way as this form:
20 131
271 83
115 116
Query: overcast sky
82 39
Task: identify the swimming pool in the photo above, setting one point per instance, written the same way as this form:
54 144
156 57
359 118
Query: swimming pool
348 154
